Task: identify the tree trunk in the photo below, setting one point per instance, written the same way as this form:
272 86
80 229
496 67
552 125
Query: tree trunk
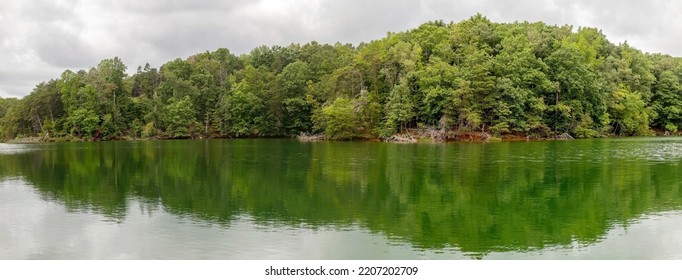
556 110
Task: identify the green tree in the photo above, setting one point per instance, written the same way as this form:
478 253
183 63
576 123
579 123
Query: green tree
399 108
180 122
629 112
14 122
288 104
115 98
242 111
5 103
437 81
83 122
521 83
339 119
667 101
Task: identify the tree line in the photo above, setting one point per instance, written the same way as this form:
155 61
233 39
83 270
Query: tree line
524 79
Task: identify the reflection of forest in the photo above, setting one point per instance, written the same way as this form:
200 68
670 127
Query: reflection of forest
475 197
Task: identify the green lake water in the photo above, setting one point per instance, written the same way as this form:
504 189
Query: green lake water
283 199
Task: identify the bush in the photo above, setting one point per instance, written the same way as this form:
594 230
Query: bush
339 120
149 130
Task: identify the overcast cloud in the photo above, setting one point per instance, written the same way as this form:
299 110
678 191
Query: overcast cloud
39 39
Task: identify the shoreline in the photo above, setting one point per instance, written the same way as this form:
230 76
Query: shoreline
405 138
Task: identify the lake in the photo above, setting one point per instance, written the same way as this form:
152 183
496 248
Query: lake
284 199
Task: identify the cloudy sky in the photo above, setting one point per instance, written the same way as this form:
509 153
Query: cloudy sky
39 39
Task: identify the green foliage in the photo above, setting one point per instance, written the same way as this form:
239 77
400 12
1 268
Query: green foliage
437 81
584 128
83 122
297 116
180 122
13 122
339 119
149 131
475 75
5 103
243 112
630 116
399 107
667 102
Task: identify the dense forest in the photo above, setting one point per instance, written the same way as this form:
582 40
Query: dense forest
475 76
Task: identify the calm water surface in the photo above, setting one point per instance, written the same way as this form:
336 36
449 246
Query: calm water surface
281 199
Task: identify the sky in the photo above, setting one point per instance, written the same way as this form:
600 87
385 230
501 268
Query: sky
39 39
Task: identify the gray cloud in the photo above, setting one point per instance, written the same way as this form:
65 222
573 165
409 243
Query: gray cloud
39 38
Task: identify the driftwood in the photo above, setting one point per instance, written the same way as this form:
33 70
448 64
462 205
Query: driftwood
26 140
564 136
436 135
305 137
401 139
471 136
